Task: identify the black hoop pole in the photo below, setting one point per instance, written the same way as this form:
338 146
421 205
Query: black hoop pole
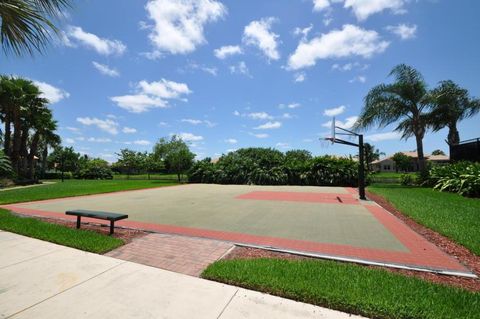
361 168
361 158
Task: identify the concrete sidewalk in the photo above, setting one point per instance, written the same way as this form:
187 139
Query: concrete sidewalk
43 280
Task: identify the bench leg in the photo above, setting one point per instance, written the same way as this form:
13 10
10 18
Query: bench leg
111 227
78 221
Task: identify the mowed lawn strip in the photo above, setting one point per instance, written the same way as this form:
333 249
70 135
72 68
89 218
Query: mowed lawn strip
86 240
76 188
451 215
355 289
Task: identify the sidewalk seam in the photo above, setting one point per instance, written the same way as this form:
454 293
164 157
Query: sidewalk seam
228 303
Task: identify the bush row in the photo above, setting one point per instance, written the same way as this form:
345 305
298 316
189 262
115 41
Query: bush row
265 166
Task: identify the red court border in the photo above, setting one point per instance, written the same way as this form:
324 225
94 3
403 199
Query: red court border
422 253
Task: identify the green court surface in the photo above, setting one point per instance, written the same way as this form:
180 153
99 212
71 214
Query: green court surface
328 221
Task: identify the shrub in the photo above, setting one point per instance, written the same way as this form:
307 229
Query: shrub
462 178
5 166
94 169
265 166
408 179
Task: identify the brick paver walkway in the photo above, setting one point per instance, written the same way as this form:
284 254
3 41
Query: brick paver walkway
186 255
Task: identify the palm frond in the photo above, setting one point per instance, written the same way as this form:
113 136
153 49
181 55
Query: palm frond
25 25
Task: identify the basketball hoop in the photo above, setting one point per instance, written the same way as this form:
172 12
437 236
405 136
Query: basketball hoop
350 136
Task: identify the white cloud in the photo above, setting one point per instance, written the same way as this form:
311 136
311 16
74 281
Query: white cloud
303 31
260 116
335 111
197 122
191 121
359 78
73 129
299 77
287 116
178 26
105 69
152 95
282 145
101 45
348 123
99 140
269 125
260 135
236 113
240 68
293 105
138 103
69 141
349 41
257 33
320 5
164 89
189 137
207 69
350 66
227 50
404 31
142 142
365 8
107 125
384 136
129 130
51 93
231 141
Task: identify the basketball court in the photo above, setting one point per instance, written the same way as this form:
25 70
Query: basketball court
327 222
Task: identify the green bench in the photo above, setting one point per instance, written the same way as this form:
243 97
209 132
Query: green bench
112 217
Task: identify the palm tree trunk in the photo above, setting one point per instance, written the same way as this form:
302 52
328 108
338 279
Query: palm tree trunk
31 155
8 135
23 150
17 136
44 159
421 156
453 135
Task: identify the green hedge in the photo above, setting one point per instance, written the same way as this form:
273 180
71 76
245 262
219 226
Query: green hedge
265 166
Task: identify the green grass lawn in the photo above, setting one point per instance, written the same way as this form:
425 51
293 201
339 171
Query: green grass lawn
387 174
452 215
351 288
77 238
74 187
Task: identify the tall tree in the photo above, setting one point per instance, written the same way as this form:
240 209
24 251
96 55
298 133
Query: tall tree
451 104
175 153
371 154
26 25
404 101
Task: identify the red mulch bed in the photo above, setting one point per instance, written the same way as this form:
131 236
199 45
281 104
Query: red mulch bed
462 254
125 234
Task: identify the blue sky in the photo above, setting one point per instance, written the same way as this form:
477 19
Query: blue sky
231 74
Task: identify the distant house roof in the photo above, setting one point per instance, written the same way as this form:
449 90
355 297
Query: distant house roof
414 155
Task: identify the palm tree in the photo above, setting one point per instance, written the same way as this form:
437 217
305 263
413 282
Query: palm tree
404 101
371 154
26 25
451 104
40 122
